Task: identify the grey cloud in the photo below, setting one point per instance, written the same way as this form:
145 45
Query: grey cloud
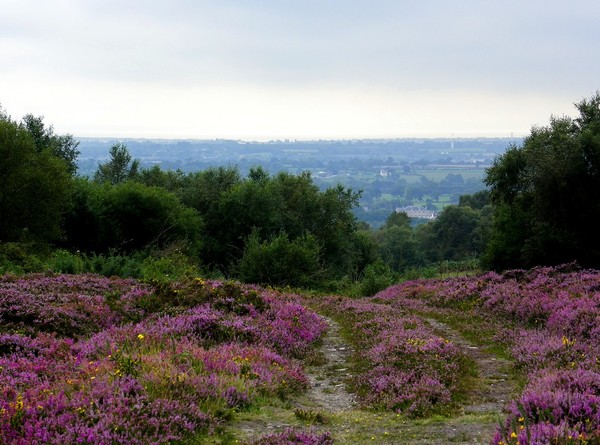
401 44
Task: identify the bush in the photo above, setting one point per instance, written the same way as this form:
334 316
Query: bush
19 258
169 265
63 261
280 261
377 277
129 217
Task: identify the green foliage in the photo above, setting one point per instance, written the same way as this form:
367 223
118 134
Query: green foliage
398 247
19 258
114 264
204 192
233 209
129 216
400 219
170 180
35 187
459 233
119 168
170 264
452 235
110 264
63 261
134 216
545 194
277 229
280 261
477 201
311 417
377 277
173 296
62 147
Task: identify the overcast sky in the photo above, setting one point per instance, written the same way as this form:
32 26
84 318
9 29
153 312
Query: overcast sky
297 69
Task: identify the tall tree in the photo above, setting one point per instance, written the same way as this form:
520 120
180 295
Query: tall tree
129 216
119 168
545 194
35 186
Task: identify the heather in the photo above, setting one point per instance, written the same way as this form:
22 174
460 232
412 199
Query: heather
551 329
404 366
88 359
292 437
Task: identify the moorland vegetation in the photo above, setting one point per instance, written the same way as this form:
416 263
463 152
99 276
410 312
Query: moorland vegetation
124 317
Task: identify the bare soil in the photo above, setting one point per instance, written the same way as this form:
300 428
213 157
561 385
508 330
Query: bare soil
328 390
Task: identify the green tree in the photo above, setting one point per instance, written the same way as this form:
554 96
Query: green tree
119 168
400 219
398 247
204 191
63 147
334 226
35 186
477 201
377 277
451 236
544 193
268 206
173 181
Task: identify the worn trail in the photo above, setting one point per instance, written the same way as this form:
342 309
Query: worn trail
328 396
328 382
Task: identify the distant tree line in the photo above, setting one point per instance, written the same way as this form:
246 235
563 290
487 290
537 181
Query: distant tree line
541 207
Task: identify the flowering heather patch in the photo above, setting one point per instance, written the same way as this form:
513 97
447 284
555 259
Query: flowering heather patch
409 369
77 372
557 343
557 407
293 437
68 305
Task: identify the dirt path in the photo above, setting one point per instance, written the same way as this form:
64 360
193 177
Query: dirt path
328 381
487 401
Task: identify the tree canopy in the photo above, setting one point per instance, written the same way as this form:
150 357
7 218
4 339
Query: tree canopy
35 183
119 168
545 194
63 147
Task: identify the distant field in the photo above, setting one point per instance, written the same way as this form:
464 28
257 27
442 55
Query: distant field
437 175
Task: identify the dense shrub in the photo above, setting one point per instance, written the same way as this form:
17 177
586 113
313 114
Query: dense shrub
128 217
281 261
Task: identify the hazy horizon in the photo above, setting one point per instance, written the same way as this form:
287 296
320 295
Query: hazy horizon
289 140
